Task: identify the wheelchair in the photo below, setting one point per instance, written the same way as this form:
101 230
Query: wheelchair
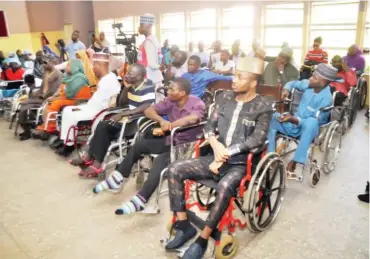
362 90
328 141
12 89
264 177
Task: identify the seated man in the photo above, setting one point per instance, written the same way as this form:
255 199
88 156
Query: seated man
242 121
200 78
182 109
50 84
179 66
349 79
316 95
225 66
280 71
108 87
138 93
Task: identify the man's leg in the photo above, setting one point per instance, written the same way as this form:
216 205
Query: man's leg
275 127
178 172
144 146
225 191
309 130
144 194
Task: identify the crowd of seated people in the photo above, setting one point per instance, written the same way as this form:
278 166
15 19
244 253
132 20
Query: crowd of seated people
241 120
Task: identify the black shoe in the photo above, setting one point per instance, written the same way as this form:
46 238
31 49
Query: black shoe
195 251
56 144
182 236
367 188
24 136
65 150
364 197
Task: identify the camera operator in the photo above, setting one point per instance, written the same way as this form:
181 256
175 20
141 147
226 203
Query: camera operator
100 44
150 51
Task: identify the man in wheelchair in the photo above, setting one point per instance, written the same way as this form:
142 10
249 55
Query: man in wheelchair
304 124
182 109
139 93
241 119
348 77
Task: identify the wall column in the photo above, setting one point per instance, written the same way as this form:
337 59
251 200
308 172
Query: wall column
306 28
361 23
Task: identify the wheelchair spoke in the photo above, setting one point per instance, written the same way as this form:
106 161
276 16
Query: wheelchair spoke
274 174
275 189
267 180
262 212
269 205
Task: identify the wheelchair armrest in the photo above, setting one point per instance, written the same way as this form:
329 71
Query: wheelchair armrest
326 109
81 101
113 109
184 128
135 116
260 149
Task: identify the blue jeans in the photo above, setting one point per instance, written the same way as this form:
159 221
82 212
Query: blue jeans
307 130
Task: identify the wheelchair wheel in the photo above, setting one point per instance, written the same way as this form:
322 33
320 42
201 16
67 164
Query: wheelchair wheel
205 196
362 93
332 146
265 193
353 108
228 247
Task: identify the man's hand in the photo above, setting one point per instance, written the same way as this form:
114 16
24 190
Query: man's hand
219 150
165 125
279 64
285 94
214 166
288 118
127 85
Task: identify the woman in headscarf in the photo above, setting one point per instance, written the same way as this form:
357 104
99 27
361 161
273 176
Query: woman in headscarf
75 86
355 59
85 57
50 84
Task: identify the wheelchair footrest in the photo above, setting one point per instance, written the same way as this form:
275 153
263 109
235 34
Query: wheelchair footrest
200 224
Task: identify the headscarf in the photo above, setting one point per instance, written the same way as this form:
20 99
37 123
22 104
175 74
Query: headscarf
87 66
357 61
76 80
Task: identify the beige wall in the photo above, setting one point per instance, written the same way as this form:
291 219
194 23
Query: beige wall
17 17
45 15
81 15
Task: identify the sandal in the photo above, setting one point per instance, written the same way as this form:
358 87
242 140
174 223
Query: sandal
95 173
80 161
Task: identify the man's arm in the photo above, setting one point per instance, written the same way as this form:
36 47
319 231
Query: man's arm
299 85
151 55
195 116
151 114
270 59
256 139
210 77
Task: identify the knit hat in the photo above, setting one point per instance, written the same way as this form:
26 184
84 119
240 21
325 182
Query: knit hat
147 19
326 71
286 51
251 65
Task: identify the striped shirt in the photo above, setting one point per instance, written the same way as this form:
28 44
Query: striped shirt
320 56
144 93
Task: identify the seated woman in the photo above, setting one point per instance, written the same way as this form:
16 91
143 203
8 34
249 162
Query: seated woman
13 73
50 84
355 59
242 119
75 86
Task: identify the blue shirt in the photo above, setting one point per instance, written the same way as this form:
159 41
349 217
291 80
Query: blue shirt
201 79
73 47
311 102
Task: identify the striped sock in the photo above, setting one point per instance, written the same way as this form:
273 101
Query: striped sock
136 203
113 182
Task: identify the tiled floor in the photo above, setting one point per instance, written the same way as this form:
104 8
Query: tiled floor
46 211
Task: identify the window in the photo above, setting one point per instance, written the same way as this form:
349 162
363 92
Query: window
237 23
336 23
111 34
367 28
203 26
284 23
173 29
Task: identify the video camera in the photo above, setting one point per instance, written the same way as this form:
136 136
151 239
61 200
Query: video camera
128 40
